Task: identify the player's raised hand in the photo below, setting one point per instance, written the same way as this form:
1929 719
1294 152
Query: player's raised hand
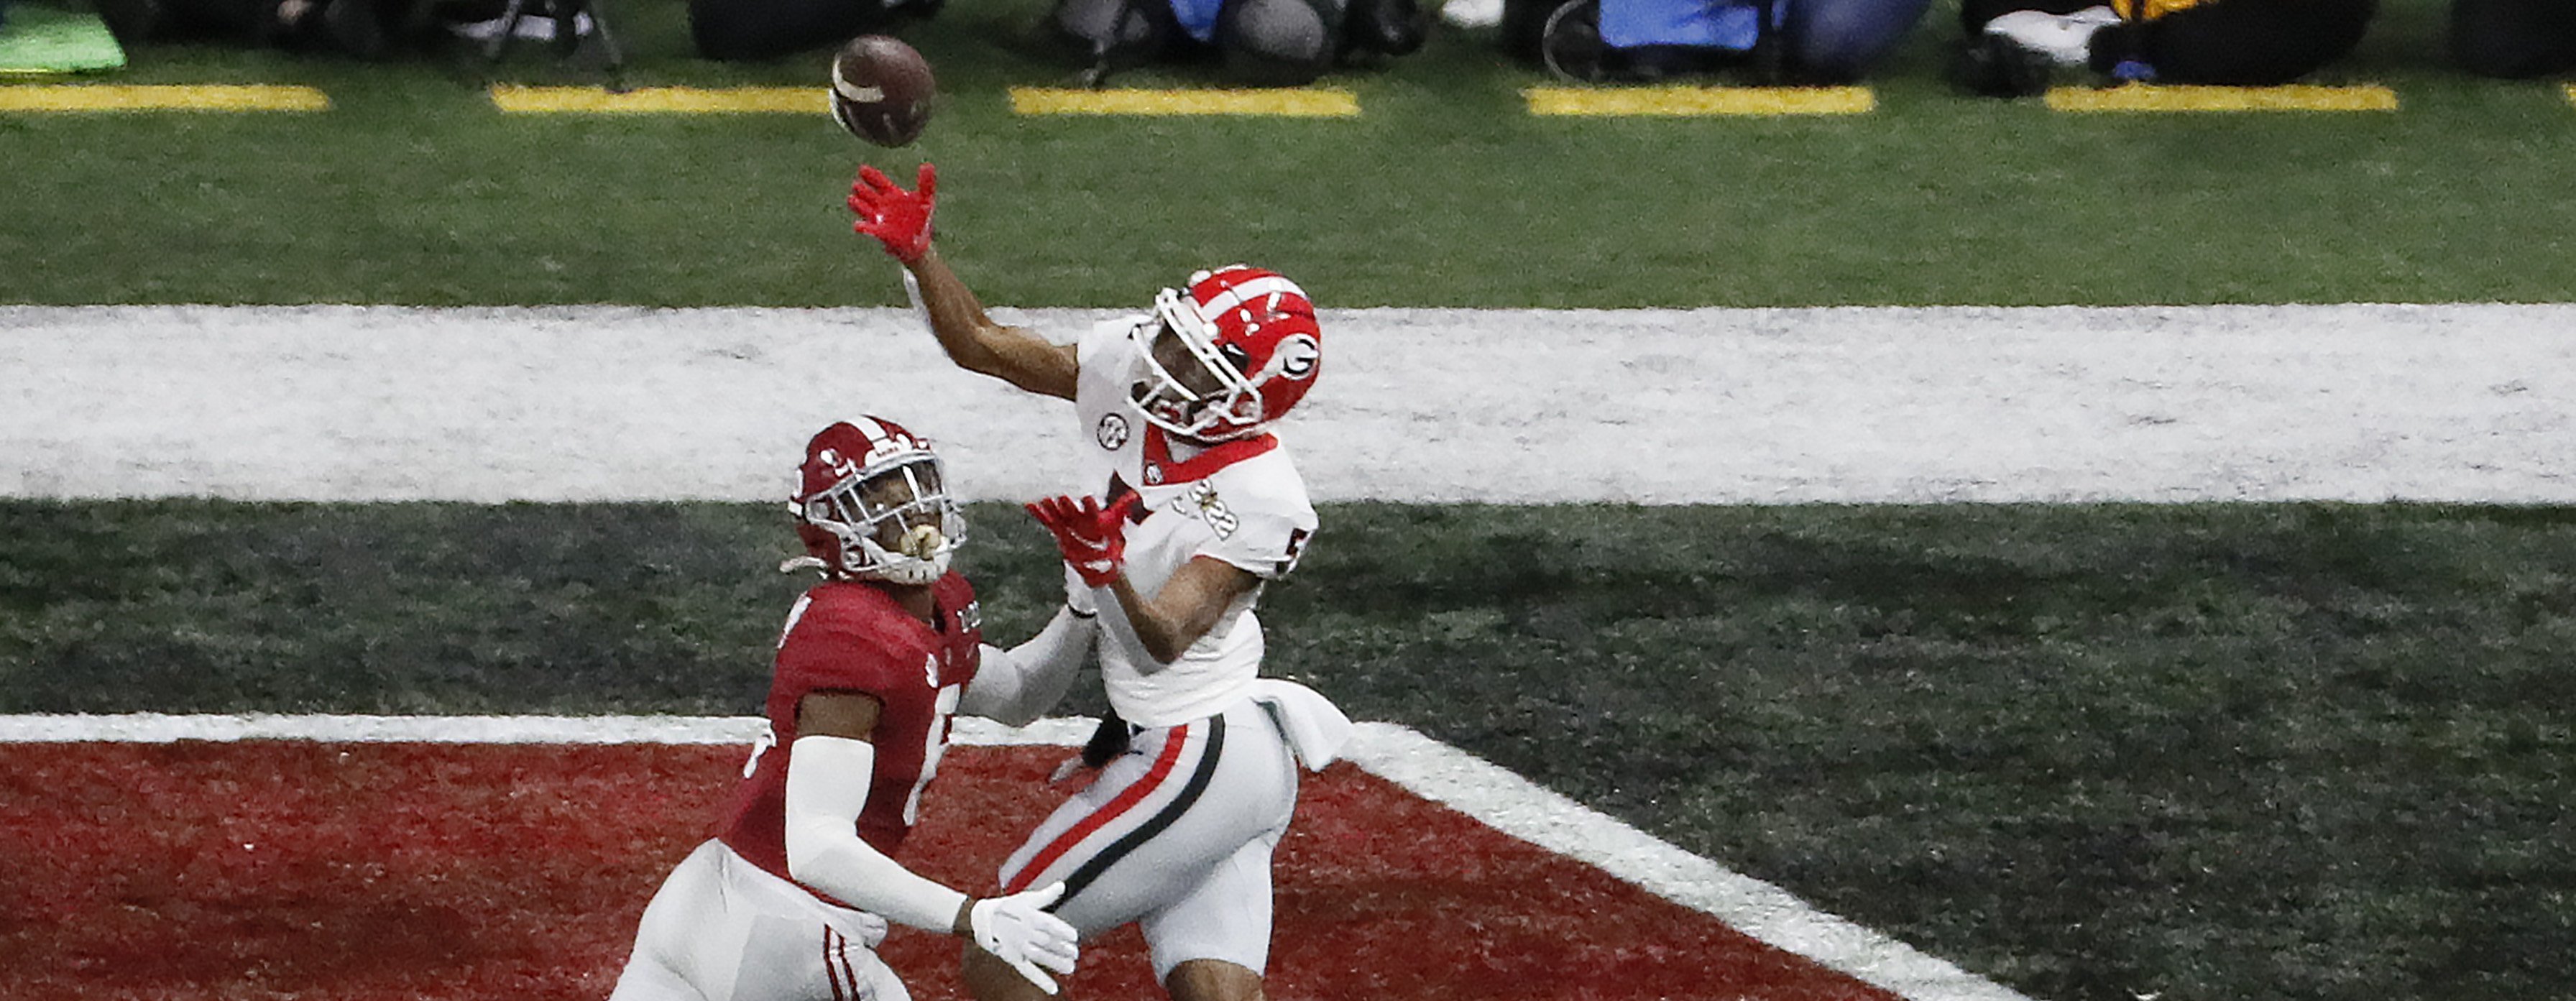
1017 930
1092 538
897 218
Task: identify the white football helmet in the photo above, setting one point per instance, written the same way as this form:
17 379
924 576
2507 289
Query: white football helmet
872 503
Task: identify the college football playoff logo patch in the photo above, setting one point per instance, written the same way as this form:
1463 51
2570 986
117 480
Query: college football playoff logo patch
1112 431
1212 510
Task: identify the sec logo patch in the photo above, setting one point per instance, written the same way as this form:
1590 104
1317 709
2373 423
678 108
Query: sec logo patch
1112 431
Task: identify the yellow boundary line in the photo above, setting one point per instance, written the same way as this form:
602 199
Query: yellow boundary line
2137 97
77 97
1308 102
1312 102
518 100
1698 101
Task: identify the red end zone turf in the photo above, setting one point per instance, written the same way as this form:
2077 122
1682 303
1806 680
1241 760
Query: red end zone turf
365 871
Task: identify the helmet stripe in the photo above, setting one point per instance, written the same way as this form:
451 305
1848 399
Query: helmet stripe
1236 295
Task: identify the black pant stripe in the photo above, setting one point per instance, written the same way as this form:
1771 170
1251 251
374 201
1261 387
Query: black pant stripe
1171 814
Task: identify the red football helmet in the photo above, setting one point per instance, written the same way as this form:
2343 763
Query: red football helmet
1226 356
872 502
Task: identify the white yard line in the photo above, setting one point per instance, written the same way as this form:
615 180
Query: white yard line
163 728
1523 809
1430 769
2264 403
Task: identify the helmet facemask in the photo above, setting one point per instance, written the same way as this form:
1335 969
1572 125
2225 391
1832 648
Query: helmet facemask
1186 383
894 521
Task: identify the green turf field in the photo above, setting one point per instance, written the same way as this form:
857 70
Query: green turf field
414 190
2222 752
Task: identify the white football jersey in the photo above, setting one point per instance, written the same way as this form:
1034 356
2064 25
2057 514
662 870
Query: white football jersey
1241 502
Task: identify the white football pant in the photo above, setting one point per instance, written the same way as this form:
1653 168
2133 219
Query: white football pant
721 929
1176 836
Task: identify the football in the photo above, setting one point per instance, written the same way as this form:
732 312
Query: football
881 90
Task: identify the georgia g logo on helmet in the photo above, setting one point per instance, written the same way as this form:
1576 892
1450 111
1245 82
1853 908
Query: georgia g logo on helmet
1299 356
1228 355
885 515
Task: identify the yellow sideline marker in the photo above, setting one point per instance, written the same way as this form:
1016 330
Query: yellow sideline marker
1685 100
2139 97
2571 93
515 99
1300 102
161 97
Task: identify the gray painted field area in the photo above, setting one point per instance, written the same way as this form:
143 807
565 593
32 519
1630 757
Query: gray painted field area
2264 403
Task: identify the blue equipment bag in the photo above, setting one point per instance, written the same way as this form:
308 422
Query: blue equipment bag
1198 17
1733 25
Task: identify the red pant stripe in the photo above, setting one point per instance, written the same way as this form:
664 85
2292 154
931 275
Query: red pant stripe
1125 801
829 970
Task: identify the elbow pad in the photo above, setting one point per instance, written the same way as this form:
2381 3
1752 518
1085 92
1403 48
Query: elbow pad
827 786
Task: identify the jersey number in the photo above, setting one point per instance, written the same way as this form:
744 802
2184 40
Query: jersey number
768 738
1296 549
932 747
760 745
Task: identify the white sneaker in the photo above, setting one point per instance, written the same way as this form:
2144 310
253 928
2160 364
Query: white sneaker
1472 13
2064 40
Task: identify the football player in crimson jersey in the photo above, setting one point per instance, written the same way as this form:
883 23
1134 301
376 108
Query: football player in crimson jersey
1197 506
791 897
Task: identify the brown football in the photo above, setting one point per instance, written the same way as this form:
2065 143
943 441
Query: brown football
881 90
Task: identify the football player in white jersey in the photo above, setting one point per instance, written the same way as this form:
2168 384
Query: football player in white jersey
1198 506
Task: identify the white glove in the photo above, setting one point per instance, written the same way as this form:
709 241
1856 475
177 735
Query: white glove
1018 931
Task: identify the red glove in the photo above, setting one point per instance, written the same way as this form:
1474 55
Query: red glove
1093 540
897 218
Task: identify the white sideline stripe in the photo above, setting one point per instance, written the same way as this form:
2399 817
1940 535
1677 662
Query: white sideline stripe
1516 806
2352 402
1491 794
162 728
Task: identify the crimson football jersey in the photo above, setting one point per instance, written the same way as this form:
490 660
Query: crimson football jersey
847 636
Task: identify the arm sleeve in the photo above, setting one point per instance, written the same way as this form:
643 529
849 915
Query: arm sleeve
827 786
1102 337
1018 685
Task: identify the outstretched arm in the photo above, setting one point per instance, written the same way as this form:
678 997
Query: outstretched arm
900 220
1016 355
1016 686
829 770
